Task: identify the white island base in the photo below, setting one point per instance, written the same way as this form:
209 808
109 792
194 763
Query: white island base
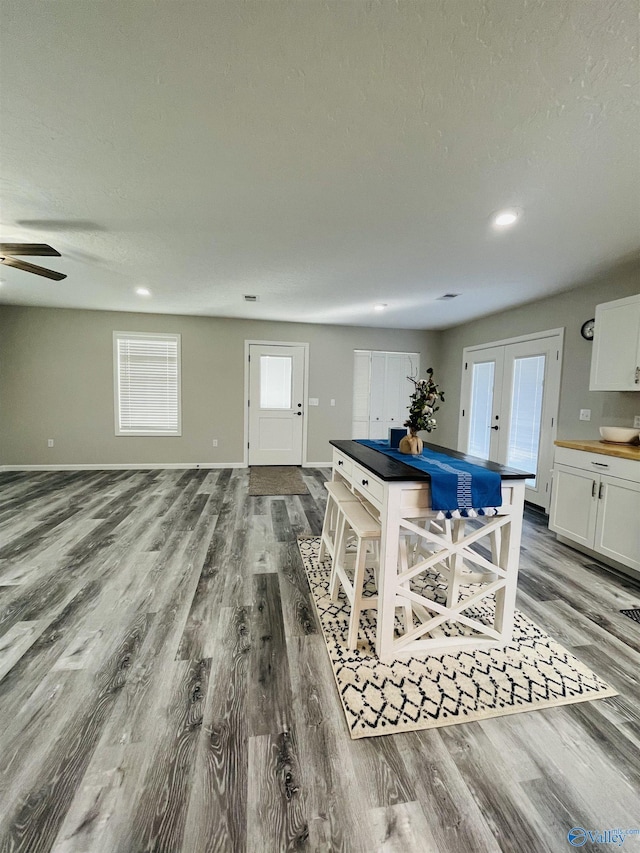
415 543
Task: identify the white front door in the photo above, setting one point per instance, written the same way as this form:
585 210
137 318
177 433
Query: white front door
276 404
509 407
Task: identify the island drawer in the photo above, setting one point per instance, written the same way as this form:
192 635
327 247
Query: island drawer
342 464
367 484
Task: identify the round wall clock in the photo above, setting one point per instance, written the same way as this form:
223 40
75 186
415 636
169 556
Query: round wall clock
587 330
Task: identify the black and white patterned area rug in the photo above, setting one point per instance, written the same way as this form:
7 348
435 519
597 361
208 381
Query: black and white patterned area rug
532 673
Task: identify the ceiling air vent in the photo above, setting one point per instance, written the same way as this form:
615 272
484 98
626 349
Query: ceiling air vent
448 296
250 298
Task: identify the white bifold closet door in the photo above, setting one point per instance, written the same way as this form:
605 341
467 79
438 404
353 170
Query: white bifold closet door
381 391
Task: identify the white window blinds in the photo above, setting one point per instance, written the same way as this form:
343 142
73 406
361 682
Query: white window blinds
147 384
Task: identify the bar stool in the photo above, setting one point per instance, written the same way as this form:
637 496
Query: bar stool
337 494
353 519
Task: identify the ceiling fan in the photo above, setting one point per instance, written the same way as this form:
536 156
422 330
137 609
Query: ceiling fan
8 250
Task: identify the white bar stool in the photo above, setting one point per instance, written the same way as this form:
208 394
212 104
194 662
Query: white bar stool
337 494
353 518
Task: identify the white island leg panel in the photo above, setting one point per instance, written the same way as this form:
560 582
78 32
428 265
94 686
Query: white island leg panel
452 555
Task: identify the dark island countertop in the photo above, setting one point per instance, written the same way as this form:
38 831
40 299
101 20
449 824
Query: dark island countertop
387 468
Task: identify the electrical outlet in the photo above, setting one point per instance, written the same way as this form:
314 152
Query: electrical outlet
50 442
215 442
636 422
585 414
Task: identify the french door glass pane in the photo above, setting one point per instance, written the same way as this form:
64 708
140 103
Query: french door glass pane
482 381
275 381
526 414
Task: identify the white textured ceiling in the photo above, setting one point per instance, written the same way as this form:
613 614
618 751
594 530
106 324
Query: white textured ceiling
322 155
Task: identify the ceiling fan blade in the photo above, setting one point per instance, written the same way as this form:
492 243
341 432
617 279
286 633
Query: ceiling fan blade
23 265
41 249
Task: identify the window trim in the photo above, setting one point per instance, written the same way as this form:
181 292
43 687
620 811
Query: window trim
116 382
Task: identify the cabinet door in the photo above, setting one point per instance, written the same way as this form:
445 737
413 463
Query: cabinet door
618 525
615 361
574 504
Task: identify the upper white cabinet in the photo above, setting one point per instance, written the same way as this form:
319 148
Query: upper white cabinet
615 362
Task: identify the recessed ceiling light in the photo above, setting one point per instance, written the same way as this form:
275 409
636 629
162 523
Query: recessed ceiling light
505 218
380 306
143 291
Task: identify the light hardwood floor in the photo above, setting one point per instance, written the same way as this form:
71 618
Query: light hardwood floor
164 687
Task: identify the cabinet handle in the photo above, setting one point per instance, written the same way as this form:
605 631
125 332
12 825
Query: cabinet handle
600 491
637 375
340 462
365 482
601 464
593 489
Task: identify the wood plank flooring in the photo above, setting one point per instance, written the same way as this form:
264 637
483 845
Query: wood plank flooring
164 687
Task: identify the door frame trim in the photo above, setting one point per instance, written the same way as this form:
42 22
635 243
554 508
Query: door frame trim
518 339
305 386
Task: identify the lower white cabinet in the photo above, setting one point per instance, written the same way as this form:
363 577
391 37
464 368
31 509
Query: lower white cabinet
598 510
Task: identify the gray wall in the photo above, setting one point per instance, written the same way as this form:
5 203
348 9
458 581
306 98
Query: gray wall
56 381
569 310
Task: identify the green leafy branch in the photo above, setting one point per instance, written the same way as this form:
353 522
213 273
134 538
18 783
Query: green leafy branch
424 401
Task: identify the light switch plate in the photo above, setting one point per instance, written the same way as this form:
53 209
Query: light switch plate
314 401
585 414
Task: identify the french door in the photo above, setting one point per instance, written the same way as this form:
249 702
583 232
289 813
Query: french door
509 406
275 404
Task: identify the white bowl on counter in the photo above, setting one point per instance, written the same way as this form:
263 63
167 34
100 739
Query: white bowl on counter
620 435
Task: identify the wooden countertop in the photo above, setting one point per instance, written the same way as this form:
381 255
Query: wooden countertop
387 468
622 451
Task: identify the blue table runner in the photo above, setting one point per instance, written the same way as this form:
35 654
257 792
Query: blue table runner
458 488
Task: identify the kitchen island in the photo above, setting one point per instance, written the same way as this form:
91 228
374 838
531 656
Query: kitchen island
425 557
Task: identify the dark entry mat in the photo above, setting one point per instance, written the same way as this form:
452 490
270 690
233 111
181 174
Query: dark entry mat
276 480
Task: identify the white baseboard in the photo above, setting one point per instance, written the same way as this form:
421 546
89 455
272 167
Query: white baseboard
141 466
122 466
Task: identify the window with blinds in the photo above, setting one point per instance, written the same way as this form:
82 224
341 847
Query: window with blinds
147 384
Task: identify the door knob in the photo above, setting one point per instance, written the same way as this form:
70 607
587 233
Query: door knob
299 414
494 427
